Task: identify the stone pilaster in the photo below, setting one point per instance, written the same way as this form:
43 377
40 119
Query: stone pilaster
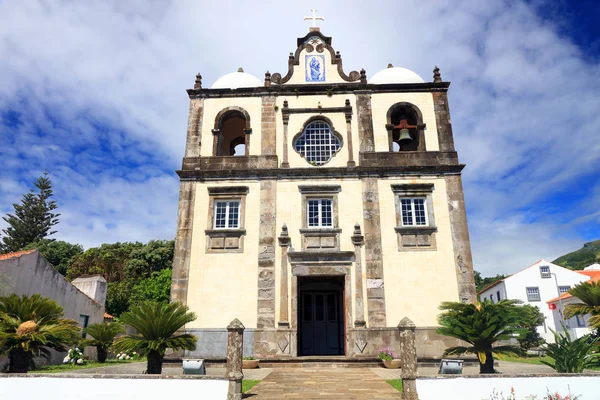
269 138
358 240
183 242
235 350
266 255
460 239
194 128
284 243
348 115
285 116
442 119
365 121
408 359
373 253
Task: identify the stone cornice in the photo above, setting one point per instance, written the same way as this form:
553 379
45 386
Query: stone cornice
319 173
319 89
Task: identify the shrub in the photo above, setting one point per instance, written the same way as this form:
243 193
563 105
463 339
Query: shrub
386 354
75 356
571 356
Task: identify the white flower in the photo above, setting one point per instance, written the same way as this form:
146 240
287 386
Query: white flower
80 361
128 358
77 349
66 360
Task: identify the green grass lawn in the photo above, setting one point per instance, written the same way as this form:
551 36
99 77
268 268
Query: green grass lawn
396 383
535 360
248 384
72 367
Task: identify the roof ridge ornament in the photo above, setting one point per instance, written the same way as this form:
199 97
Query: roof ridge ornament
437 77
314 19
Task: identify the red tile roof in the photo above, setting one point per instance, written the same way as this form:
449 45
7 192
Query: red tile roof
15 254
108 316
594 277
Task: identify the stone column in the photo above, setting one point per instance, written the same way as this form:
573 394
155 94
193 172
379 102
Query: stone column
269 139
266 256
216 141
285 115
408 358
442 113
358 240
365 120
247 133
183 242
235 349
460 239
284 242
348 115
194 129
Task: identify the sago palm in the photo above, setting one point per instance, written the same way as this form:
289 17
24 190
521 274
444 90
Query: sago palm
571 356
103 337
589 294
482 325
157 326
29 326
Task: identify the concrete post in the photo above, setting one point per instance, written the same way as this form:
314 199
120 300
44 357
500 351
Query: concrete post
235 350
408 357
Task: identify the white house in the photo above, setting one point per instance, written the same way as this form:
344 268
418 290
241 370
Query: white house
578 325
535 285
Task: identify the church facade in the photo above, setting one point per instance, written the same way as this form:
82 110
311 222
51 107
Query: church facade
320 208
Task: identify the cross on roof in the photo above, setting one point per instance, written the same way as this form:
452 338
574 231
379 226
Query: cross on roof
314 18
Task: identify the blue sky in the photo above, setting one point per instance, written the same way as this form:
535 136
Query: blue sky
94 92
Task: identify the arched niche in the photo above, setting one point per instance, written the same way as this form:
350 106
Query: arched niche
231 133
413 118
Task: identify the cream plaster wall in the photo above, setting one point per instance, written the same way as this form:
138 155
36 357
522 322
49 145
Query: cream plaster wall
297 121
289 212
223 286
381 103
416 282
212 107
299 75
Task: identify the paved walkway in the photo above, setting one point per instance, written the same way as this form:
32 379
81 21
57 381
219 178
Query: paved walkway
322 383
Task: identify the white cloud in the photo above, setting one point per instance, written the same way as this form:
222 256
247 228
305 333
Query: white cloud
102 88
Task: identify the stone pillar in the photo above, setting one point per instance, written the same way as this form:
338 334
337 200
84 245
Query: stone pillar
348 115
216 142
266 256
358 240
408 358
269 138
365 121
194 128
285 116
373 254
284 242
183 242
235 350
442 119
460 239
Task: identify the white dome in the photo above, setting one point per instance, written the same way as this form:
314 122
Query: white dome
236 80
395 75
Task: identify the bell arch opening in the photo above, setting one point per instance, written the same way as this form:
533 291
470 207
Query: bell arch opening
405 128
231 133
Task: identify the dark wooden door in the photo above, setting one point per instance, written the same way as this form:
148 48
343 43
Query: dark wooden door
320 323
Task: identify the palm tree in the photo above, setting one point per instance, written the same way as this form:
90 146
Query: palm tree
481 325
103 337
571 356
29 326
157 325
589 294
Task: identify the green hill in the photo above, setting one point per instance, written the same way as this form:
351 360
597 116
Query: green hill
588 254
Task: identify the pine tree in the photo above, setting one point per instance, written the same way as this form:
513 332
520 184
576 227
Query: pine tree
32 219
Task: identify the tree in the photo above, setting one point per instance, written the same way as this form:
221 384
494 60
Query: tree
29 326
571 356
589 294
32 219
531 317
57 252
157 288
103 337
481 283
482 325
157 325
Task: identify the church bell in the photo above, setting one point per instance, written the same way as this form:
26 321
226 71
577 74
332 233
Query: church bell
404 137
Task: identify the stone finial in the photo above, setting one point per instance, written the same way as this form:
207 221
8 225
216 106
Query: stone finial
347 103
240 69
437 77
236 325
267 79
357 229
338 54
285 104
291 56
357 237
390 65
198 82
363 76
406 323
284 230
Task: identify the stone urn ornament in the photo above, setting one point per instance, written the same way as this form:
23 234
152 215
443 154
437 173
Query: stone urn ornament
389 358
249 363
